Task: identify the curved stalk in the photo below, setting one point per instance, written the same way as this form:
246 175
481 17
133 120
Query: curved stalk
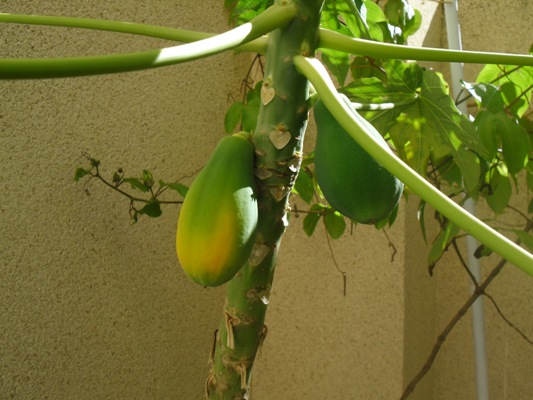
357 127
275 17
159 32
336 41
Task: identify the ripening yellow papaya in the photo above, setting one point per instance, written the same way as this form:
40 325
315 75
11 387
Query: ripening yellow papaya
352 181
218 217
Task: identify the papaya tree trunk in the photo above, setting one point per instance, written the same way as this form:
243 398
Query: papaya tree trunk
278 141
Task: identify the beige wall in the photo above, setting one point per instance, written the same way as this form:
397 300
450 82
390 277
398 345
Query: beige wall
93 307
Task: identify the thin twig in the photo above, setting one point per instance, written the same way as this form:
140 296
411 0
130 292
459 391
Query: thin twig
343 273
480 290
499 311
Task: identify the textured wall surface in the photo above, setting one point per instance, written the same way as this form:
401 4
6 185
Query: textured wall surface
94 307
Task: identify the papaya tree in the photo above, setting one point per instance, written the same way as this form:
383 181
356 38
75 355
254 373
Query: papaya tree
393 118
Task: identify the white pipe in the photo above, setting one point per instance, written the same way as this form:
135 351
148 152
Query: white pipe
478 320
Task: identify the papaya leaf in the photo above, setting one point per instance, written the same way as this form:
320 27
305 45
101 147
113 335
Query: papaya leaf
338 64
242 11
371 90
486 95
403 19
357 18
431 126
335 224
515 83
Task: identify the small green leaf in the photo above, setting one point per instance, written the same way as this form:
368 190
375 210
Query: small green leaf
482 251
441 243
530 207
420 214
515 145
487 95
136 184
80 173
233 116
335 224
526 238
310 222
304 186
250 113
152 209
501 194
148 179
176 186
311 219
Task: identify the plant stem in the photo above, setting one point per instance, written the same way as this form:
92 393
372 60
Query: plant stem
275 17
336 41
278 139
155 31
357 127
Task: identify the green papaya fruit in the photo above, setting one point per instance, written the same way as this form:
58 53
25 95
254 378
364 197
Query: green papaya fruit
218 217
352 181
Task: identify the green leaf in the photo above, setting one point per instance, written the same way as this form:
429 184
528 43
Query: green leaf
311 219
176 186
420 214
441 243
515 145
515 84
233 116
152 209
501 194
487 95
486 123
526 238
80 173
338 64
243 11
335 224
304 186
403 19
497 130
431 126
148 179
250 113
136 184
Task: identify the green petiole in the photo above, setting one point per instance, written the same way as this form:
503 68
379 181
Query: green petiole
336 41
273 18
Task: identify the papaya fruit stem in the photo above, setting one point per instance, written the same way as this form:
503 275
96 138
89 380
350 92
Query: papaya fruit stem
358 129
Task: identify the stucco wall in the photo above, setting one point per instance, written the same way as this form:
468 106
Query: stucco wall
95 307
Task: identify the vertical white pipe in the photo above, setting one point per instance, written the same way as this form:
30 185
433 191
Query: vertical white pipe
478 320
